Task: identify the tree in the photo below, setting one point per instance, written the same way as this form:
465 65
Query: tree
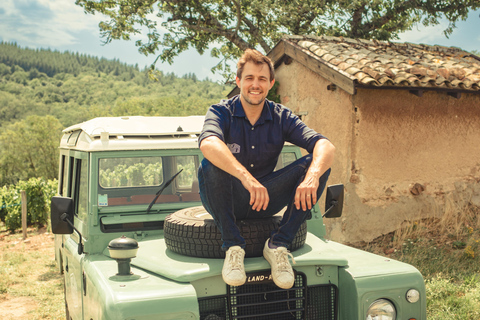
240 24
30 149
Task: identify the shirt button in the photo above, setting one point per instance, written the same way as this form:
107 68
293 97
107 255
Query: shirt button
253 128
251 165
253 147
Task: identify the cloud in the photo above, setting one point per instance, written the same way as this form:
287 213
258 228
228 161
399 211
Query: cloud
44 23
464 36
426 35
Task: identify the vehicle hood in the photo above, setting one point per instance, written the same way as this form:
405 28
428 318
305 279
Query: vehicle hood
154 256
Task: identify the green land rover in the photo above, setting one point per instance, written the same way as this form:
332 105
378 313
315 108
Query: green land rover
134 243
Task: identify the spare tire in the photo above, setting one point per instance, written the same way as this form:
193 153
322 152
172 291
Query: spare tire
192 232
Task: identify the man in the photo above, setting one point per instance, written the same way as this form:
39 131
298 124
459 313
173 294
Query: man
241 140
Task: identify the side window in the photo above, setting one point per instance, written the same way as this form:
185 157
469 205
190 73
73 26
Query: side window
62 181
81 188
67 177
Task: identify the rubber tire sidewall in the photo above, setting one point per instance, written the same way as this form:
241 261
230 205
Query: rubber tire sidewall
192 232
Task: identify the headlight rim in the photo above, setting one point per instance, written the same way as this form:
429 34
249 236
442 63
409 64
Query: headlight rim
379 300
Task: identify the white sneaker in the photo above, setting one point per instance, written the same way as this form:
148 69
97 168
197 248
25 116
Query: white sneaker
233 272
282 272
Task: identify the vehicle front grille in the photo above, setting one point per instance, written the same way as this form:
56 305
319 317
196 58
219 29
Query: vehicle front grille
265 301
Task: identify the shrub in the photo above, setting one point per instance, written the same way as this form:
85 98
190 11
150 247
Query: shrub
10 203
38 191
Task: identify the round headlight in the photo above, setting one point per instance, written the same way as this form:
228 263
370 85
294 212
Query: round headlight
381 309
412 295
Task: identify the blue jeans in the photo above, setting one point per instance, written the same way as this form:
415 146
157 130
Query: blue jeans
227 200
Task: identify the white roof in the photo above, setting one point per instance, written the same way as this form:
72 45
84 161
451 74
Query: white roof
140 126
133 133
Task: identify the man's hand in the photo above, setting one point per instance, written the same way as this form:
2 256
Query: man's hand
258 193
306 194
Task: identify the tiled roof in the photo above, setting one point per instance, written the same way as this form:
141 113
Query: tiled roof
388 64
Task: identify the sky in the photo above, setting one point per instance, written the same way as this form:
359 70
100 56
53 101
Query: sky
63 26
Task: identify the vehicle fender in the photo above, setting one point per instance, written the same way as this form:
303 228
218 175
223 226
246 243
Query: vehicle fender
141 295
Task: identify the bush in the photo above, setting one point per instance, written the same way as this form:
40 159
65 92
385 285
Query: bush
38 191
10 202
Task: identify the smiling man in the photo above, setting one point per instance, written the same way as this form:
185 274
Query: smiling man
241 141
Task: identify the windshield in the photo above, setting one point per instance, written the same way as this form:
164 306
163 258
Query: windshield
136 180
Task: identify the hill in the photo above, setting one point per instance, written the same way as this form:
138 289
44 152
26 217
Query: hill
44 91
75 87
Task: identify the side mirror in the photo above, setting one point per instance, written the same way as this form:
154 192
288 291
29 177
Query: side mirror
334 201
61 210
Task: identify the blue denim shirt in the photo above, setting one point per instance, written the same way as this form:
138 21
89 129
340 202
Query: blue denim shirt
257 147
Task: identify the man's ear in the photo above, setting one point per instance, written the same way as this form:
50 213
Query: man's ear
272 83
237 80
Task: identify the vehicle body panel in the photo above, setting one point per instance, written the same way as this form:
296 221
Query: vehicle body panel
164 284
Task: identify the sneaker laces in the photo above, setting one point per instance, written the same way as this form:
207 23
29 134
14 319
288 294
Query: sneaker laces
281 256
235 259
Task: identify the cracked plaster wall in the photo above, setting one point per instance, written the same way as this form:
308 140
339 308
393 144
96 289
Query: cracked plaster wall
401 157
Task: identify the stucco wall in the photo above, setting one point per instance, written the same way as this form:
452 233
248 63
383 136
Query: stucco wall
387 141
303 91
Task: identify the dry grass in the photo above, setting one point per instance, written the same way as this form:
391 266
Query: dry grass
457 232
30 285
446 251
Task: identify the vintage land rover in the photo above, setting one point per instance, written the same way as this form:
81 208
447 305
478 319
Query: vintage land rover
134 243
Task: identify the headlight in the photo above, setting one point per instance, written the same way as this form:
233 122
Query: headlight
381 309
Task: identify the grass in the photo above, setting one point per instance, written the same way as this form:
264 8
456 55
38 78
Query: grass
30 285
447 253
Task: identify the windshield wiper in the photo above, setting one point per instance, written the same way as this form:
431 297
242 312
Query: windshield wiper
159 192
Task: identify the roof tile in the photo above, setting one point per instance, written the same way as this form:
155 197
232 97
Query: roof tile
380 63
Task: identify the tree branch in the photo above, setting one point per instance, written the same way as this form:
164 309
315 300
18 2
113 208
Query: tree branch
368 27
230 35
239 15
255 31
357 21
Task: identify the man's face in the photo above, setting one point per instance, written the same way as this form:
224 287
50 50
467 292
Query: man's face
254 84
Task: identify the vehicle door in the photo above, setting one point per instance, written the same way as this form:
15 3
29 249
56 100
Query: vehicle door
74 277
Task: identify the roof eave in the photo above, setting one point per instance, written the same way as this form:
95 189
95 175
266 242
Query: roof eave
286 48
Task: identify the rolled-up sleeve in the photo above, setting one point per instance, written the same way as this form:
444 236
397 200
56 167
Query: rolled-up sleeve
298 133
215 123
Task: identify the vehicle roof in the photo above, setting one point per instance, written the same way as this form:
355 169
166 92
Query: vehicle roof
133 133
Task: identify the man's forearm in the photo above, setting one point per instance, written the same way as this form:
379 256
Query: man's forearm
306 193
217 152
323 155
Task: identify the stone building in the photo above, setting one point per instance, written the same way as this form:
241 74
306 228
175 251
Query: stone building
405 119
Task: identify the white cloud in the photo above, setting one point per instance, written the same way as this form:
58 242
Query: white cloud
71 16
464 36
426 35
44 23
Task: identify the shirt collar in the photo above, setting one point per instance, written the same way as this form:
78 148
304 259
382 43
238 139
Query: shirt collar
238 111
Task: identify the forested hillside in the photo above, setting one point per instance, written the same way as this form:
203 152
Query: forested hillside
44 91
